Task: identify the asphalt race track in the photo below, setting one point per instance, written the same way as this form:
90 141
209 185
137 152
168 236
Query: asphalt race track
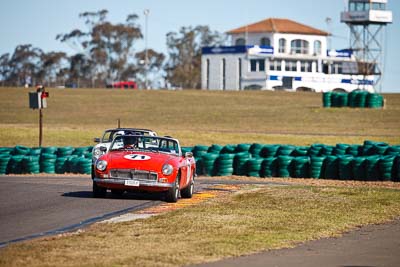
33 206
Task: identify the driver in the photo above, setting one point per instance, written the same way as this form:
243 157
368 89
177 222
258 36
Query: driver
131 142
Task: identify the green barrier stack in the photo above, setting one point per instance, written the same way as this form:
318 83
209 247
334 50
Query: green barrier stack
331 167
284 166
242 148
269 167
224 164
254 167
269 151
354 99
301 167
30 164
61 165
386 164
208 161
84 165
345 167
316 167
372 168
326 99
371 161
48 163
239 163
255 150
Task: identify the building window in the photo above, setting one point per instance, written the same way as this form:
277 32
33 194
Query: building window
275 65
378 6
208 73
265 41
240 73
291 65
282 45
336 68
257 65
317 47
223 74
306 66
299 46
240 41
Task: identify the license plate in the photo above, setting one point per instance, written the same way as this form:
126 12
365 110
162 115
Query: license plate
131 183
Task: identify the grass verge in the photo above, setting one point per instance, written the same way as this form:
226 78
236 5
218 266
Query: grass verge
252 220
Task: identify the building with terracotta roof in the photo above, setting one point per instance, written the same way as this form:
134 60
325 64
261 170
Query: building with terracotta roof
278 53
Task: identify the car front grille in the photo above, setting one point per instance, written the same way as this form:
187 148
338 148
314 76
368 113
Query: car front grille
133 174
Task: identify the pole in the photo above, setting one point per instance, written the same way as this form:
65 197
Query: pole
146 58
40 127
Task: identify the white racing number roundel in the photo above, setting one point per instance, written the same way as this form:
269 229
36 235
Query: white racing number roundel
137 157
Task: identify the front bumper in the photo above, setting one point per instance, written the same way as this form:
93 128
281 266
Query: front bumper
113 181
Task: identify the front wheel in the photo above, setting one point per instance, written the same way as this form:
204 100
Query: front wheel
99 192
173 192
188 191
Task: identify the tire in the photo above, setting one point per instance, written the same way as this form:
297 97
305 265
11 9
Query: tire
173 193
99 192
188 191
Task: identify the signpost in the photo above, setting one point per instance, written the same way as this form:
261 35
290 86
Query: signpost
37 100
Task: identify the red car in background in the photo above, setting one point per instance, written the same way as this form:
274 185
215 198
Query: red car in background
145 163
123 85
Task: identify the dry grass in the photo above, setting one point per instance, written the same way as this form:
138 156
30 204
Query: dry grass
255 220
74 117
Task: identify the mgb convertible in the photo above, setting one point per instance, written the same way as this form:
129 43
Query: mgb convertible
145 163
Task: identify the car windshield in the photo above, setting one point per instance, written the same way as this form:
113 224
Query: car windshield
109 135
150 143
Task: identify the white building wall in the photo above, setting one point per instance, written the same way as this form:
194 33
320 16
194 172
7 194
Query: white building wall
215 75
252 38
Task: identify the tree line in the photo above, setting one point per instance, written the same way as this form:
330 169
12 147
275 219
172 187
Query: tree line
106 53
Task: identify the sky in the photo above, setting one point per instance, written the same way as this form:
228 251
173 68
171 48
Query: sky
38 22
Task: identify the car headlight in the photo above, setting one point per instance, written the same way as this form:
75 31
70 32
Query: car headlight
101 165
167 169
97 152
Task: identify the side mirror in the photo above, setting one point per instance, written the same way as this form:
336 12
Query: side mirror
103 149
96 140
188 155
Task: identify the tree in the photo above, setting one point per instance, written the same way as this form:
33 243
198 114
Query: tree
154 67
52 64
24 64
106 46
4 68
184 65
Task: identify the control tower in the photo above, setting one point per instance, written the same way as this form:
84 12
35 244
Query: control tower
366 20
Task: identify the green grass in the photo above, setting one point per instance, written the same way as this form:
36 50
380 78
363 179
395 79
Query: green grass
74 117
242 223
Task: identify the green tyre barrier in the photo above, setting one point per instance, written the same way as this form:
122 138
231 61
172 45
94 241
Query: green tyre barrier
61 165
301 167
209 166
65 151
30 164
254 167
326 99
331 167
269 167
49 150
316 167
386 165
239 163
15 164
269 151
4 159
215 149
372 168
228 149
346 167
242 148
255 150
284 166
21 150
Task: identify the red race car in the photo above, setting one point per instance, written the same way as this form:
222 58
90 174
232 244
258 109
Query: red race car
145 163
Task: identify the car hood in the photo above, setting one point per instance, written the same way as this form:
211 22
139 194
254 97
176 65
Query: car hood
139 160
